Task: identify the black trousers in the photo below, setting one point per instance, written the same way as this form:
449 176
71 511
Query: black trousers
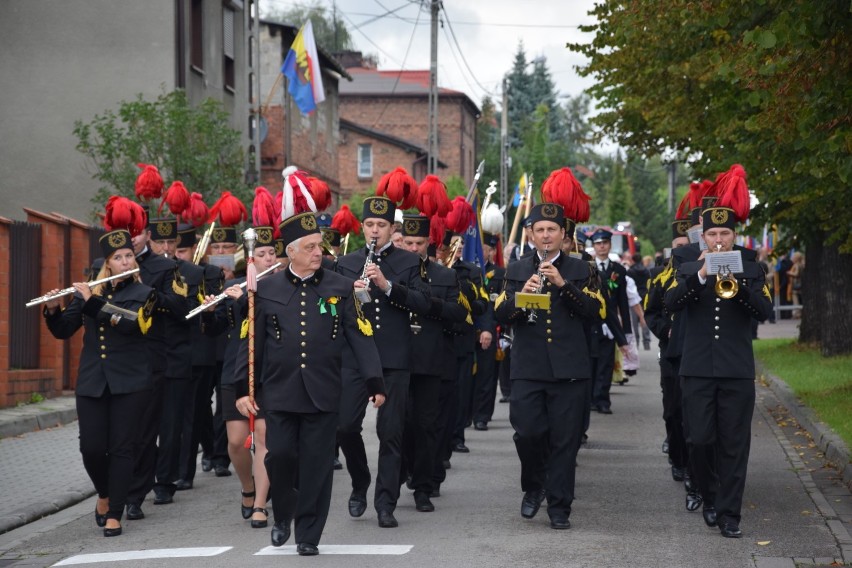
219 451
503 373
420 438
146 451
197 421
603 374
390 422
485 383
447 402
673 414
548 420
108 428
299 464
718 415
464 410
177 402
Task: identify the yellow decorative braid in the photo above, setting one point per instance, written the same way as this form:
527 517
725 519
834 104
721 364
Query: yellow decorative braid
464 302
144 320
180 289
596 294
483 293
766 292
244 329
500 299
364 325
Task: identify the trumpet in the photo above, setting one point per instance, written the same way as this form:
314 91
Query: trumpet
224 296
363 294
68 291
532 317
726 286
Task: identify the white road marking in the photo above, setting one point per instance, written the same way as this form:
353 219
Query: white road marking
143 555
352 549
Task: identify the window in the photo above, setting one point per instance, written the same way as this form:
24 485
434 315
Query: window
228 48
365 160
196 23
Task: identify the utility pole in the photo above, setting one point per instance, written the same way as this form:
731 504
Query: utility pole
504 154
432 165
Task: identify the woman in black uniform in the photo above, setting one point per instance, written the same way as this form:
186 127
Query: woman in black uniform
114 372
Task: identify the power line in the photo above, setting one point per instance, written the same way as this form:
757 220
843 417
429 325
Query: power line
458 64
458 47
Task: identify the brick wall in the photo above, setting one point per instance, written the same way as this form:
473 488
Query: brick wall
4 313
386 157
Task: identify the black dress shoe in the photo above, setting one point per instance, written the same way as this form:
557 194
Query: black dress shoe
337 464
678 473
709 514
100 520
560 523
112 532
387 520
247 511
134 513
531 503
357 503
280 533
162 496
259 523
422 503
461 448
305 549
222 471
481 426
693 501
730 529
183 485
206 464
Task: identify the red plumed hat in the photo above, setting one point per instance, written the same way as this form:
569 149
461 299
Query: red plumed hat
562 188
732 192
197 212
432 197
461 217
399 187
345 221
296 195
320 192
437 228
264 213
176 197
124 213
228 211
149 183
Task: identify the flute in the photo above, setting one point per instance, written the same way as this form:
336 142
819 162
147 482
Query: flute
223 295
67 291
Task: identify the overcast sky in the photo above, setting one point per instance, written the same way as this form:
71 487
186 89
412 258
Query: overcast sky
487 33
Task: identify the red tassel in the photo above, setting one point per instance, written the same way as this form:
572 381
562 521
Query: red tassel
228 211
249 443
177 198
320 192
461 217
399 187
732 190
432 197
263 211
149 183
197 212
346 222
437 227
123 213
562 188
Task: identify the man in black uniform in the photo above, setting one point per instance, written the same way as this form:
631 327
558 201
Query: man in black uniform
393 280
718 367
430 345
614 286
551 371
305 314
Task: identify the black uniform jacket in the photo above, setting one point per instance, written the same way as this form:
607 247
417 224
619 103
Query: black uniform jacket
470 285
301 329
717 339
204 346
614 282
113 355
227 318
161 274
388 314
432 345
555 348
659 319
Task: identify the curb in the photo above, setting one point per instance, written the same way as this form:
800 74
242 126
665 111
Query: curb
35 511
827 440
33 417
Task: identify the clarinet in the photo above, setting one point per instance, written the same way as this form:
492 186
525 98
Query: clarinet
363 294
532 317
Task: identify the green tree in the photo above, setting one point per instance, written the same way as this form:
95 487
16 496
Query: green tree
194 145
488 142
767 85
330 30
649 181
619 203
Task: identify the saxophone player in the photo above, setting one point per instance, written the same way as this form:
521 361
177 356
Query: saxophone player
550 368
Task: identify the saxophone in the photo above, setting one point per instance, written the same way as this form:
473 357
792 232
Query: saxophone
363 294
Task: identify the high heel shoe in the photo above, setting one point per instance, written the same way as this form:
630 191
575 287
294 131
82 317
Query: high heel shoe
247 511
259 524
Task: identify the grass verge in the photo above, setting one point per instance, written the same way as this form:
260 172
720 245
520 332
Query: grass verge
824 384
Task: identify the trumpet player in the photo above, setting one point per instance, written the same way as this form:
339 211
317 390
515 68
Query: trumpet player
393 283
550 368
717 367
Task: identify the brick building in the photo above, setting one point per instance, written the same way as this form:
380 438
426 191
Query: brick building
384 119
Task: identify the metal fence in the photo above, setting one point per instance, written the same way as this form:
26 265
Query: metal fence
24 284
